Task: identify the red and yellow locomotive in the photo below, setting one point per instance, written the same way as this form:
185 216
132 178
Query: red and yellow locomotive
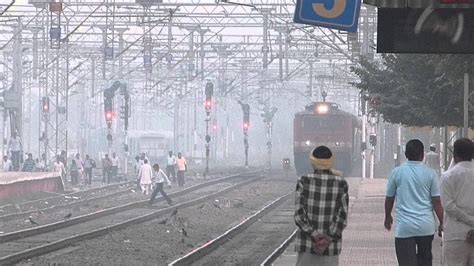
324 123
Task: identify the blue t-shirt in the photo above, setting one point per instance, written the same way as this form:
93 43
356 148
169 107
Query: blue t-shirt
413 184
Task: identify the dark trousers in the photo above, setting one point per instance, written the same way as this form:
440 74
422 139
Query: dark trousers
171 172
88 175
159 188
106 174
74 177
414 251
16 160
181 178
114 171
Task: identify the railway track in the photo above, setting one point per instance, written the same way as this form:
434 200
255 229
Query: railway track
253 239
11 209
24 244
69 201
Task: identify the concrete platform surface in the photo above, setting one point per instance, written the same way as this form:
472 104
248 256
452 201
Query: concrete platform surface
365 240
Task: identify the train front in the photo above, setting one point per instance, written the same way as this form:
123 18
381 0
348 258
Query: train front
323 124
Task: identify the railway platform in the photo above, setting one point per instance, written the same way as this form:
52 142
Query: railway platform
21 183
365 240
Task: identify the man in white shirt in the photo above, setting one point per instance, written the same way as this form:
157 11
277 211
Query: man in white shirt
159 177
58 167
115 164
171 166
7 164
432 159
457 196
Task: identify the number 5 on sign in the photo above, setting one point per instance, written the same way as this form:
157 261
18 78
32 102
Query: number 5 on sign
335 14
337 9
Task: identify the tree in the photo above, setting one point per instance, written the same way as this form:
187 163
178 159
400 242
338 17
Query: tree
416 90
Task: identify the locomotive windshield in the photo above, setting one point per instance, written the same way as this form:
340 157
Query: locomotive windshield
311 123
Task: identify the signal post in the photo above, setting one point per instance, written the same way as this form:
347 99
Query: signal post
208 105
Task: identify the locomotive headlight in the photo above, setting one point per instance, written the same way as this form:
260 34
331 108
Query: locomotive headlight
307 143
337 143
322 109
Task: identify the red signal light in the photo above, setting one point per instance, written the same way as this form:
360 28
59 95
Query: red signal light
246 125
109 116
45 103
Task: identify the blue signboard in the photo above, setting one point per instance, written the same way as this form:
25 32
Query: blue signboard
335 14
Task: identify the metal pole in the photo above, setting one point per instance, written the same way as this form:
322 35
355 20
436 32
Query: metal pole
399 145
280 54
466 106
2 131
310 88
170 39
445 148
364 137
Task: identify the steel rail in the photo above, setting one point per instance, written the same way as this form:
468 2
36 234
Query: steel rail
61 244
106 212
279 250
212 245
70 204
71 193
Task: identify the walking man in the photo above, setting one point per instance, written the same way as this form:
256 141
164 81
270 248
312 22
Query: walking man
171 166
14 146
182 166
416 190
29 164
160 178
457 196
144 176
319 236
432 159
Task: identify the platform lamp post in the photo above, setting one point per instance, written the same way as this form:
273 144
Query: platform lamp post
208 105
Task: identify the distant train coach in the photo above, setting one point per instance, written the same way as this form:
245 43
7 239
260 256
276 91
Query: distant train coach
323 123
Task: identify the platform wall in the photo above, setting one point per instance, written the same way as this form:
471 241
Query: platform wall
14 184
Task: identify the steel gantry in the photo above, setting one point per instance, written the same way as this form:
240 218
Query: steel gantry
166 51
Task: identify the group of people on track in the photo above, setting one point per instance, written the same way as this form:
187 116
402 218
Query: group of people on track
152 178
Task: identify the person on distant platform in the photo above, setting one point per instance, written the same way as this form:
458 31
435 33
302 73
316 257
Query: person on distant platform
29 164
432 159
414 188
14 146
58 167
322 200
457 196
144 176
39 166
182 167
159 178
7 164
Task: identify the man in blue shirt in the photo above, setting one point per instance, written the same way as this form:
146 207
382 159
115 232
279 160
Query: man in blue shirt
416 190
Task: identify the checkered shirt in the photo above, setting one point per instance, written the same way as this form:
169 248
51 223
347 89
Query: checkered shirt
322 201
